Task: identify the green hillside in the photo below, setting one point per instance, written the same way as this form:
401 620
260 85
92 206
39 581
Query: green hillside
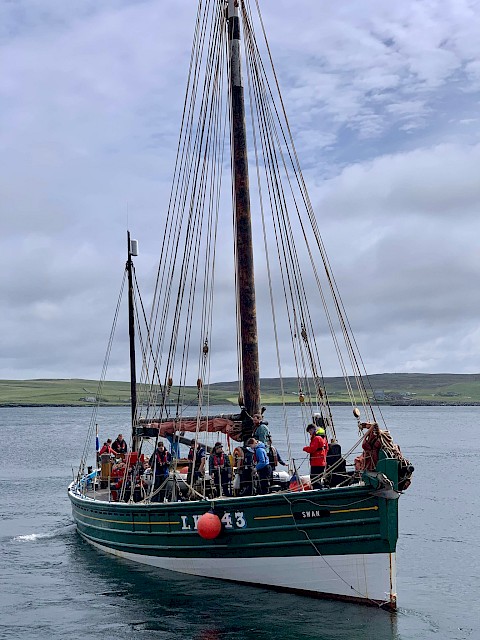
61 392
388 388
78 392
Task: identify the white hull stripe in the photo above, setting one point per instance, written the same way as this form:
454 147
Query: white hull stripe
356 576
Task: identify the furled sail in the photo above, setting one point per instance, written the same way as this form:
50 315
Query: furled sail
228 425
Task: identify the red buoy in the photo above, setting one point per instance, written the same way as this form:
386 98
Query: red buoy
209 526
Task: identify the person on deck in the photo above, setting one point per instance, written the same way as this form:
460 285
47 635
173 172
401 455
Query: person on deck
105 457
245 464
107 448
262 464
336 462
261 431
197 457
120 446
317 449
220 470
275 458
160 462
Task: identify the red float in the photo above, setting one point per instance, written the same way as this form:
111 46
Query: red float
209 526
300 486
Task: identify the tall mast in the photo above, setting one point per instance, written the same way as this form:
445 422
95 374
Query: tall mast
131 335
247 310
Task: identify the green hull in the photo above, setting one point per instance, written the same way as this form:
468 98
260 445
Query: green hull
337 543
335 521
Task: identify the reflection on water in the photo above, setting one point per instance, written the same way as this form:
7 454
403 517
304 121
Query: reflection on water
142 598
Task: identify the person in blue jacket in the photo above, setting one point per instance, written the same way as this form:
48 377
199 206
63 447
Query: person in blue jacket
262 465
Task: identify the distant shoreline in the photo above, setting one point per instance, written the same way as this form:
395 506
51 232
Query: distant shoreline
386 389
15 405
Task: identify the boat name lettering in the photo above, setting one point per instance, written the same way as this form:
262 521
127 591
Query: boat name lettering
318 513
229 520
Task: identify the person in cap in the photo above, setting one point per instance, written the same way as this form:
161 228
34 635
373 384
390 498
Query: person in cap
318 449
160 464
220 470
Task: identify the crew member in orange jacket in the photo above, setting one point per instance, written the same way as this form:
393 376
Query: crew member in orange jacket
317 449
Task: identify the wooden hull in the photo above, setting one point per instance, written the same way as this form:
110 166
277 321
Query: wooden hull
336 543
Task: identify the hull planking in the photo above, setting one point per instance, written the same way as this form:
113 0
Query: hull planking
334 543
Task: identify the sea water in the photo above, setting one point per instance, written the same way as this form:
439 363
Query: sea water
54 586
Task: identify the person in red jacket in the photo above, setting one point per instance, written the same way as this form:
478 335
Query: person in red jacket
107 448
317 449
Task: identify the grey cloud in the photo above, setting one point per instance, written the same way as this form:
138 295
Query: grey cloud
441 181
90 105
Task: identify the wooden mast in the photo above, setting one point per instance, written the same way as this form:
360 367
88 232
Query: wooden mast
243 227
131 335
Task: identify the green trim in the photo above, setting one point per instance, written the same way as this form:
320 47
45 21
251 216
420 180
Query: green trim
330 522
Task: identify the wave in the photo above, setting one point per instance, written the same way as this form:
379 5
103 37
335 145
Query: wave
56 533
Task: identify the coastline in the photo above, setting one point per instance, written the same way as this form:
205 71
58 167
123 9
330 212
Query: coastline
386 389
418 403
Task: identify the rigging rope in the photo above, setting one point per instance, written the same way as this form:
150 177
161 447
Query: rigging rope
93 418
182 315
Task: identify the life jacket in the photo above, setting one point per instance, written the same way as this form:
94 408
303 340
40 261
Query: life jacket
273 456
161 462
248 457
219 461
161 458
106 449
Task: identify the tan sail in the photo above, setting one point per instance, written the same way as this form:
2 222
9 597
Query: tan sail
214 424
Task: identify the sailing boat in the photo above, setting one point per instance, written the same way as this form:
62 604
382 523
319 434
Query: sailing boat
337 539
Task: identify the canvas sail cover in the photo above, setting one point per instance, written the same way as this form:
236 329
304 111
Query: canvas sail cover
212 424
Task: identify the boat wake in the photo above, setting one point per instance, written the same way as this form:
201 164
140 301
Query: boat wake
56 533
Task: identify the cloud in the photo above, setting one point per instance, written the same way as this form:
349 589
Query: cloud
383 102
440 180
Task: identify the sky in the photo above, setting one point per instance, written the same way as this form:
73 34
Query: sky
383 100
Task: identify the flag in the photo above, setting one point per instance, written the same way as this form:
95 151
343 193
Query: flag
97 441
